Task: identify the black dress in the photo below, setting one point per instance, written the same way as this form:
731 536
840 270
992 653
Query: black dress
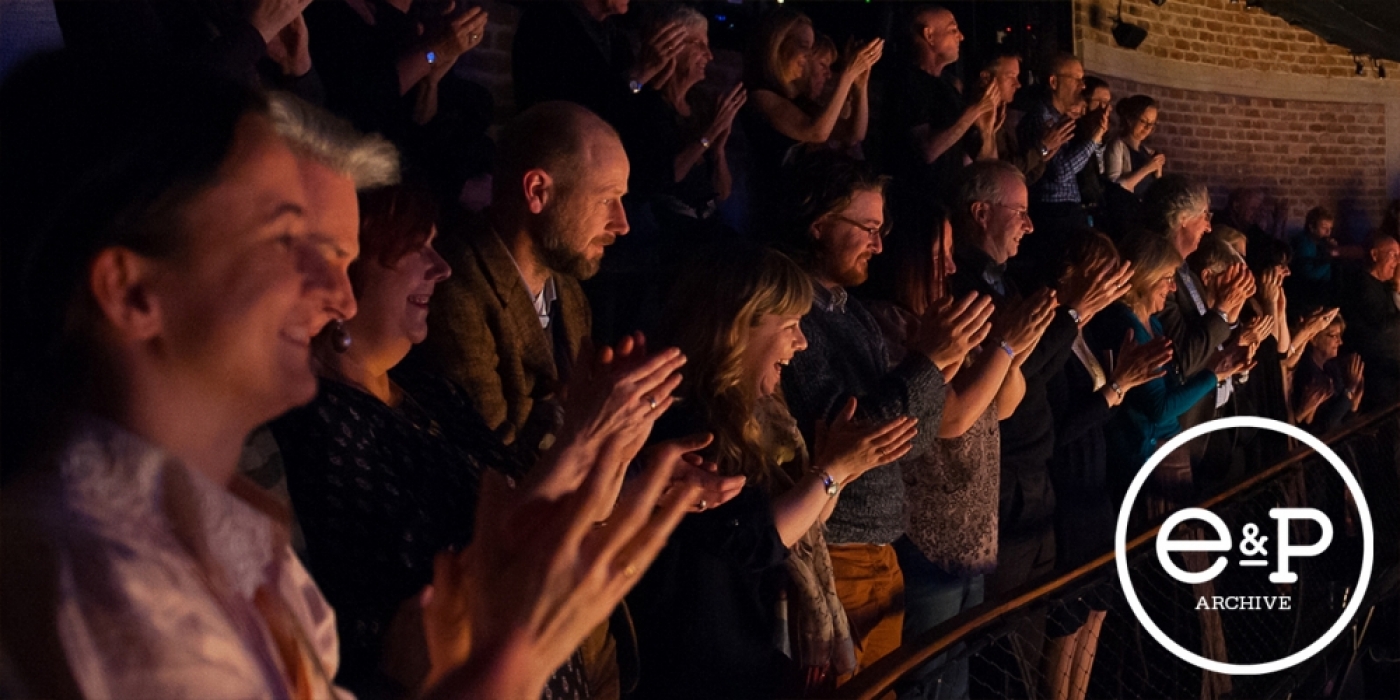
378 492
706 610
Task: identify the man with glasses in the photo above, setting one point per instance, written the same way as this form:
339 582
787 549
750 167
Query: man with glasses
1056 202
1178 209
836 210
990 221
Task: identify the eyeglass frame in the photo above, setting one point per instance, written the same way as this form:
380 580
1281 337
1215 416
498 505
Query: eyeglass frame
880 232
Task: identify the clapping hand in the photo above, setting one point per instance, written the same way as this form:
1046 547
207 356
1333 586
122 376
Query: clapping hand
614 394
540 575
1097 286
1140 364
949 329
846 449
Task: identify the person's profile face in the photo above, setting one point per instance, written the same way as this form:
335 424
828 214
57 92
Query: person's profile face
394 299
587 216
849 238
241 301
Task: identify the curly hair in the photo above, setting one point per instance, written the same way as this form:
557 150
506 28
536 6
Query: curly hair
710 313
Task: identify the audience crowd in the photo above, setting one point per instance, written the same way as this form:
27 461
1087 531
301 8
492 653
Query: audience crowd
314 388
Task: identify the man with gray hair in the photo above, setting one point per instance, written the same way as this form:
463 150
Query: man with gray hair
990 220
335 161
1178 208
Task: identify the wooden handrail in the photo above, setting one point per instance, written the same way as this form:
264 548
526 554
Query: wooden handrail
877 680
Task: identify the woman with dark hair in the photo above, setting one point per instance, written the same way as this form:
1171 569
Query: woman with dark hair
1127 161
710 614
167 287
951 490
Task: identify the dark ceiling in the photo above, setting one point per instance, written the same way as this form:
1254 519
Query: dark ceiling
1369 27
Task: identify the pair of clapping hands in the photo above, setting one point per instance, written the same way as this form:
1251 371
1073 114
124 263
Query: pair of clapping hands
553 556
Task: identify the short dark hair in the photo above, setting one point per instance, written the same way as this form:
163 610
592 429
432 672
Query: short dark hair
816 184
552 136
394 221
911 265
1092 83
1317 215
1058 61
1131 109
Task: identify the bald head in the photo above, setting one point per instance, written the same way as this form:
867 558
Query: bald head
1385 257
560 138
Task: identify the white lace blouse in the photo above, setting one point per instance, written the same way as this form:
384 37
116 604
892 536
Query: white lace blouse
151 571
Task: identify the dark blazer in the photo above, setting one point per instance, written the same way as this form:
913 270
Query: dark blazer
485 335
1194 339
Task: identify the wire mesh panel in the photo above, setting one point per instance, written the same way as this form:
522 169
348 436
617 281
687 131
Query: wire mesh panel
1077 637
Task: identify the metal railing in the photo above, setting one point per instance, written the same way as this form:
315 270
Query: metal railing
1129 663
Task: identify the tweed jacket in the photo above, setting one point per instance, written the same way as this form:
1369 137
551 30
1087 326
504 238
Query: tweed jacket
485 335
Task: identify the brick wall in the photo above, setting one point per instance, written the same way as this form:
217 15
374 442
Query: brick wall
1248 100
1216 32
1308 152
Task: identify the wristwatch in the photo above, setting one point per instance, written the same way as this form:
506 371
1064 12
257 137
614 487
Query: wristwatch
833 486
1044 152
1074 316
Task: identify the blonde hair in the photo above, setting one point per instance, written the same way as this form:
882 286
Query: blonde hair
712 310
1151 255
770 50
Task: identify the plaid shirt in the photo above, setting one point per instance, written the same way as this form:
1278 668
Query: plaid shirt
1059 183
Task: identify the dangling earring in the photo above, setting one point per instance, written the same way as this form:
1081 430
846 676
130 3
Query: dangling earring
340 338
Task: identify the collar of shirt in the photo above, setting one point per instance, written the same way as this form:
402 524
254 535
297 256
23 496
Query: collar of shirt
1184 273
972 258
114 477
829 299
543 299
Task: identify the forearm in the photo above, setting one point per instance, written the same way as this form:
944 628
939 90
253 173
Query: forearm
935 143
973 390
1013 389
1132 180
800 507
721 178
687 158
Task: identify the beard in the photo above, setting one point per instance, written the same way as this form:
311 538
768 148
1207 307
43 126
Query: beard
849 274
555 225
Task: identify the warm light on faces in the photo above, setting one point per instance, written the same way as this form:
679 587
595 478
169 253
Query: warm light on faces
798 49
333 223
943 35
1328 343
1005 222
850 238
1197 225
579 223
240 302
1007 78
1161 289
1145 125
1386 257
394 300
819 76
695 56
770 345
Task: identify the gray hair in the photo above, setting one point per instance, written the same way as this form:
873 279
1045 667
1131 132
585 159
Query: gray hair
981 182
686 16
1170 201
367 159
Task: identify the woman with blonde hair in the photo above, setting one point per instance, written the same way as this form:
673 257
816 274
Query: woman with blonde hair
743 595
1150 412
777 69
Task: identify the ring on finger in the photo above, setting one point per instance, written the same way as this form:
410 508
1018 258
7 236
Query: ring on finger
651 400
702 505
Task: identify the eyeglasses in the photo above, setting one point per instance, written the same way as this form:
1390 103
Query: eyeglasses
1022 212
1208 214
1148 124
872 231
